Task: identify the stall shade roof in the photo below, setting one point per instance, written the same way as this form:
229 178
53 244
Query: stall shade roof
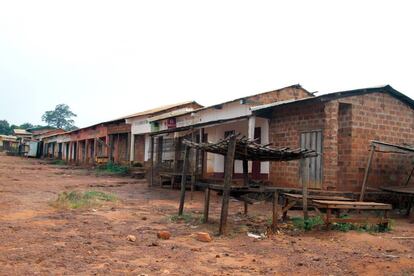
250 150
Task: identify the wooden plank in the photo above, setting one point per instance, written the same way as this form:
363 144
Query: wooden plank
206 204
152 162
305 191
228 175
367 169
275 213
352 205
245 181
183 180
321 197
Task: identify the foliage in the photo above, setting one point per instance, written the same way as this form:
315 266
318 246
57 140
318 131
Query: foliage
77 200
307 224
112 168
60 117
5 127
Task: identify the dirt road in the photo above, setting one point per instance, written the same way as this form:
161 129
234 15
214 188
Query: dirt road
36 238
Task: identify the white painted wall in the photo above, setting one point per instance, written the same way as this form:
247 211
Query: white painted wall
215 162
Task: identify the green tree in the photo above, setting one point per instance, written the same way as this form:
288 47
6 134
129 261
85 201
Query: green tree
26 126
5 127
61 117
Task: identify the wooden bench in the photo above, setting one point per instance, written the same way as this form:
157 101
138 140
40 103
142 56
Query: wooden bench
293 199
333 205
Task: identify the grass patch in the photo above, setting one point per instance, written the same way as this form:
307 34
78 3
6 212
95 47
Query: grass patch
371 228
77 200
307 224
187 218
111 168
316 222
58 162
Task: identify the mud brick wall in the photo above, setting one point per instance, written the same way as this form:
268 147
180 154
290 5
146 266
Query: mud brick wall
348 124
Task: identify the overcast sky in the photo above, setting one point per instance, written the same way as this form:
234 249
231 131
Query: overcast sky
108 59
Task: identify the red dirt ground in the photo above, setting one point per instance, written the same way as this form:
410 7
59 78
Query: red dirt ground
36 238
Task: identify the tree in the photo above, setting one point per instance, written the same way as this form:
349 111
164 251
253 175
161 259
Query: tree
5 127
26 126
61 117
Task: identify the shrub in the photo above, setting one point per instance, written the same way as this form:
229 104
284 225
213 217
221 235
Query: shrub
307 224
112 168
76 200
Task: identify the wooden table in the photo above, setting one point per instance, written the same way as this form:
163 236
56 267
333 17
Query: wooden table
332 205
293 199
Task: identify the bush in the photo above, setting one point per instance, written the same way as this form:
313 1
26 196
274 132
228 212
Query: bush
307 224
77 200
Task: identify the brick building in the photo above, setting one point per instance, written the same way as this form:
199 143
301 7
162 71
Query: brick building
340 127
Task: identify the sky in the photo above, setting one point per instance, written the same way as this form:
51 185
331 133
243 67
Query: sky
107 59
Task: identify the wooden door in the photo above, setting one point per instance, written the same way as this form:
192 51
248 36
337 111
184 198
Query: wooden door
311 171
256 164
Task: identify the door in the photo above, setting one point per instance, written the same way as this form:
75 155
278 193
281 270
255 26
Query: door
311 170
256 164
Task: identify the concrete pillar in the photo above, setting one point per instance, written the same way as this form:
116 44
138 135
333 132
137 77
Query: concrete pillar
330 145
251 126
132 148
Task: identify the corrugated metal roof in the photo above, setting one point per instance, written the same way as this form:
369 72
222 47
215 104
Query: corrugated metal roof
8 137
158 109
170 114
242 98
143 113
21 131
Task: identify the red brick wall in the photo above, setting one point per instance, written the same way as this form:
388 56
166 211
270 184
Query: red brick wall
348 125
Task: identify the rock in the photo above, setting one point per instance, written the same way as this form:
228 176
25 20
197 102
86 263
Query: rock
164 235
144 218
316 259
131 238
203 236
154 243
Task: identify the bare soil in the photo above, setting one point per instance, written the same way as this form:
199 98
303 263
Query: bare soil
36 238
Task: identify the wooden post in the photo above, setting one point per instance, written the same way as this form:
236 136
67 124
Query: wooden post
152 162
206 204
275 213
228 175
111 147
128 147
364 183
194 166
183 180
246 181
305 190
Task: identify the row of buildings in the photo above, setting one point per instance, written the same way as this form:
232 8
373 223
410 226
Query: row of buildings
339 126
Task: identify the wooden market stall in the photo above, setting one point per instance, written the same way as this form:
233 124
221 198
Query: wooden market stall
234 148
